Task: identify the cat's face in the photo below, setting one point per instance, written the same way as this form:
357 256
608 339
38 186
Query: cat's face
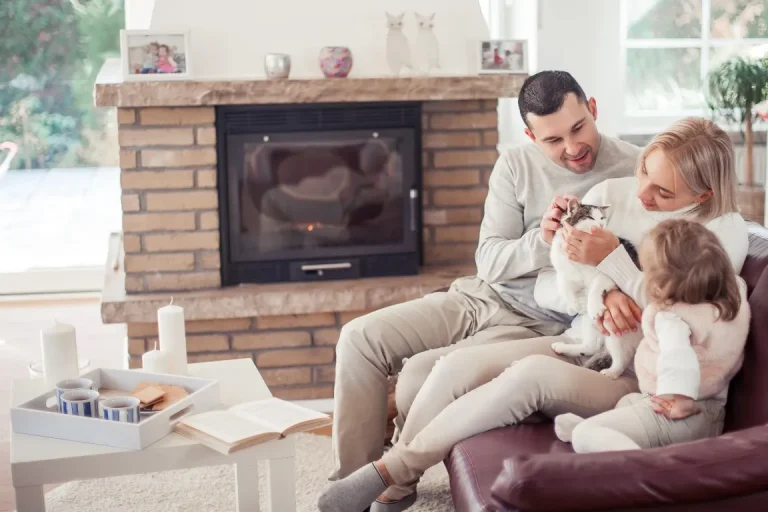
395 22
584 216
425 22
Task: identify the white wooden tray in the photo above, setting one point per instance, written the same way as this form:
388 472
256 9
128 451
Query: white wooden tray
36 418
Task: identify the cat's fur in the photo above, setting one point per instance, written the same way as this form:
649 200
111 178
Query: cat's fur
429 51
575 278
398 48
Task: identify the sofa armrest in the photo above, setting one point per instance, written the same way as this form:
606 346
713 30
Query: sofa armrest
730 465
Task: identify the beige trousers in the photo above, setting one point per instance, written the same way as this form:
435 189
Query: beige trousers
373 347
476 389
634 422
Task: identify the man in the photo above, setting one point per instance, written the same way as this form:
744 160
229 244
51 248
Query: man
568 156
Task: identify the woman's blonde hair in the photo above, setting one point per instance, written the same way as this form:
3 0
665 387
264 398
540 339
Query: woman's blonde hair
683 261
702 154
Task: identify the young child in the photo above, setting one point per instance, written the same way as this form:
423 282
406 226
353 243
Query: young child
165 63
150 63
695 328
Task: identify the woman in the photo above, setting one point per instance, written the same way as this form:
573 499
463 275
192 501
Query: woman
686 172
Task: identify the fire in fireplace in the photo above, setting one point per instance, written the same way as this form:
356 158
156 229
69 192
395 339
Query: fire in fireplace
320 191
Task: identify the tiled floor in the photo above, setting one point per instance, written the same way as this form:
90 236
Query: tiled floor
71 210
20 324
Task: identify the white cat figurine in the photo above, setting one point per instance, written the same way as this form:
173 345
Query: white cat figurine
398 48
427 43
584 288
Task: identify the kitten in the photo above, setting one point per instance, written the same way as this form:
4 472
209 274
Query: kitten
584 288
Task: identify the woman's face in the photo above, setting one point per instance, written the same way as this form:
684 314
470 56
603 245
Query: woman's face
661 188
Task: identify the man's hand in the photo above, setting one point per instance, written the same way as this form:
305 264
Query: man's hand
675 407
550 222
622 315
589 248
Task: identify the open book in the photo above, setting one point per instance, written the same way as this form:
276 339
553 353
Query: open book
245 425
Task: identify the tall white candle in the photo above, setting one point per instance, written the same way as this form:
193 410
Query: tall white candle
173 340
59 345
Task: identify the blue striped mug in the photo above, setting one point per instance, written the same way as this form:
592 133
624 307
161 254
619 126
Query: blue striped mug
71 385
121 408
80 402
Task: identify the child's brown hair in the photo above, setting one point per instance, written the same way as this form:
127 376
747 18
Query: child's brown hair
683 261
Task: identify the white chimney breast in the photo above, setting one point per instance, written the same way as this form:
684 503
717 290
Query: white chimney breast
229 38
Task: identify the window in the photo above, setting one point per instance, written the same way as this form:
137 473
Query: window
670 46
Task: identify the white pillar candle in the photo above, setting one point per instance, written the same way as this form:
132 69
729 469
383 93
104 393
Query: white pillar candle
170 327
59 345
157 361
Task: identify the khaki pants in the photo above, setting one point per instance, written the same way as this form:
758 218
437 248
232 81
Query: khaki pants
634 421
373 347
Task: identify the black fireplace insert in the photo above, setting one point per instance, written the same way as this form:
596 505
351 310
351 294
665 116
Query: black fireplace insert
319 191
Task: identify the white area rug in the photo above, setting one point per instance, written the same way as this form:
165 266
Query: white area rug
213 489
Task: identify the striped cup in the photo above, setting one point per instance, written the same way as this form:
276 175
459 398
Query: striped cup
122 408
80 402
71 385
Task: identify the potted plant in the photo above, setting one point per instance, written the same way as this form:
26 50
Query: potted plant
735 90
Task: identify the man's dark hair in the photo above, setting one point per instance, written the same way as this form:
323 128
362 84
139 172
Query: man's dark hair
544 93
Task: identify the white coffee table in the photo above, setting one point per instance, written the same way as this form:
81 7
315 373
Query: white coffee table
36 461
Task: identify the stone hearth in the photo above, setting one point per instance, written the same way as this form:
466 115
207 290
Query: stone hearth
170 240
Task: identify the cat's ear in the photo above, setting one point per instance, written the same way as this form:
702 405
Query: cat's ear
390 18
401 17
604 208
432 17
573 205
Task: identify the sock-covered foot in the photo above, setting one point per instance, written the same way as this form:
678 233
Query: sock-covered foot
564 425
354 493
382 505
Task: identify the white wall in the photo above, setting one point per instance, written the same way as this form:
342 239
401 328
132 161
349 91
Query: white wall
138 14
582 37
230 37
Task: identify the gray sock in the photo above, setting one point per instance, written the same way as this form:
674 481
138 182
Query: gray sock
394 506
354 493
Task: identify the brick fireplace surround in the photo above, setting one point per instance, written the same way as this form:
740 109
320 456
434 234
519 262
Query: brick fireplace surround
170 240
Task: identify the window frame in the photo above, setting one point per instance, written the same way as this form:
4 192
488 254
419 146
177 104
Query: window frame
641 121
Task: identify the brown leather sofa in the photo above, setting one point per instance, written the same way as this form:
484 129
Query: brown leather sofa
526 468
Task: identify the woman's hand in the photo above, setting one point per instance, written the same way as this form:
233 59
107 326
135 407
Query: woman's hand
550 222
675 407
589 248
622 314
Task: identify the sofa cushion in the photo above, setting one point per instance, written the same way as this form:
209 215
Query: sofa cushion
474 463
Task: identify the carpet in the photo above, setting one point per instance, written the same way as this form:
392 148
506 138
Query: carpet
213 489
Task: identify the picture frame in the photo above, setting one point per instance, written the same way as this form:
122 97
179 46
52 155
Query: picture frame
151 55
505 56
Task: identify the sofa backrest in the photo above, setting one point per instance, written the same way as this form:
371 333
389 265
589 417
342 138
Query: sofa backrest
748 393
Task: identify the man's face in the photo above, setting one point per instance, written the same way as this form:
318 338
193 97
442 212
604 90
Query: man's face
569 136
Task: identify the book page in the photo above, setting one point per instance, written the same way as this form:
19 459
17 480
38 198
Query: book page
229 428
277 414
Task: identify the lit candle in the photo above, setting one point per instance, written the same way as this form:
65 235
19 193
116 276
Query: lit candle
173 340
157 361
59 345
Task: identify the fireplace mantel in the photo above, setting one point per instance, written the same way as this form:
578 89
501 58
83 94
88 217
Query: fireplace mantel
111 91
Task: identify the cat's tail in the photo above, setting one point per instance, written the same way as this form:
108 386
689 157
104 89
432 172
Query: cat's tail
600 361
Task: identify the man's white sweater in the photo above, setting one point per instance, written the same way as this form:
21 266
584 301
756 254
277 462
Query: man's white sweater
524 181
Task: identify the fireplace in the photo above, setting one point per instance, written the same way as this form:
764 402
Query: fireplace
319 191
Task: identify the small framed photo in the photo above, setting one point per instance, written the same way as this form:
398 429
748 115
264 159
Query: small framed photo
152 55
504 56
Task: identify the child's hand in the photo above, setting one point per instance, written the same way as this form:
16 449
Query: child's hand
675 407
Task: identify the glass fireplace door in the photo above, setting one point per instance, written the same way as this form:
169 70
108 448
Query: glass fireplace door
320 194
